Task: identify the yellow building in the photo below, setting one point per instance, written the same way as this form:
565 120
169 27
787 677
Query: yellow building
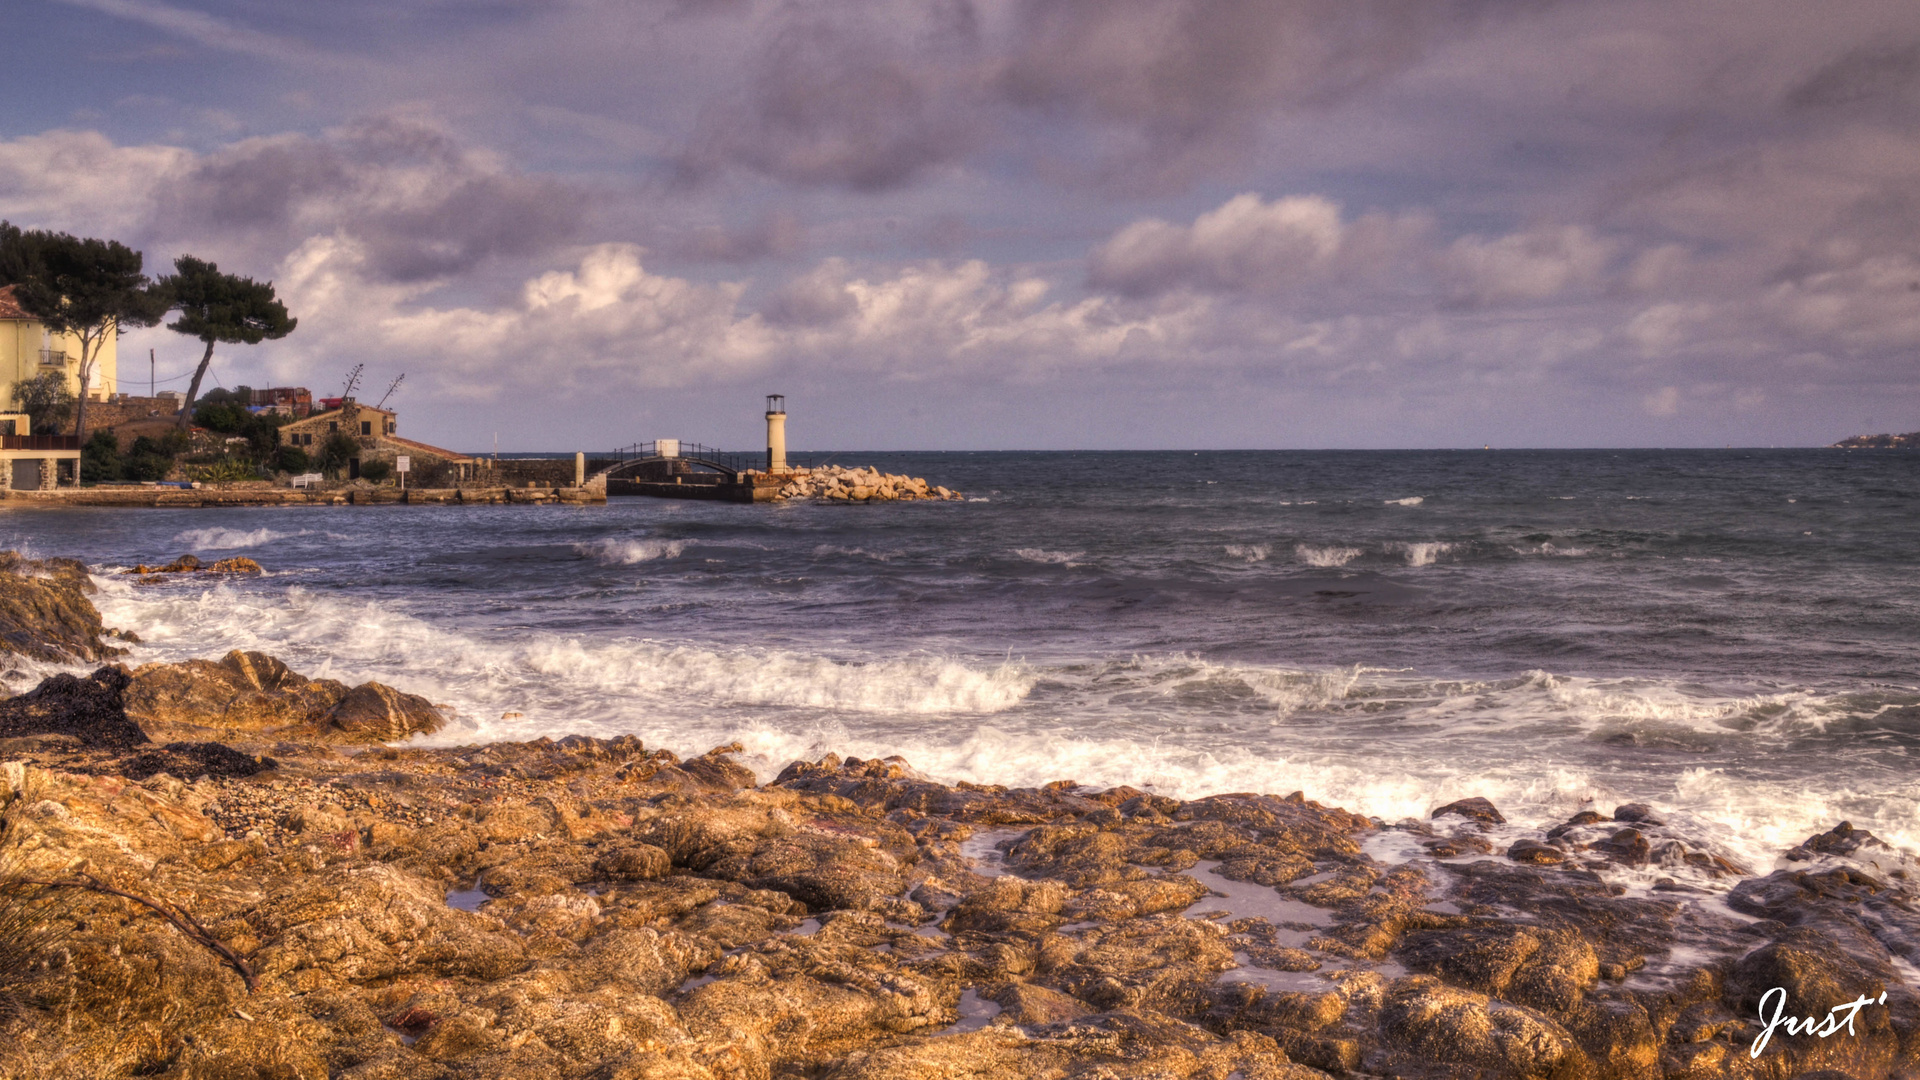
28 350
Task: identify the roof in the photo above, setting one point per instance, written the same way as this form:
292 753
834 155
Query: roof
9 307
336 413
450 455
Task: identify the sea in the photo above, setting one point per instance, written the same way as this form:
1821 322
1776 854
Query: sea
1732 636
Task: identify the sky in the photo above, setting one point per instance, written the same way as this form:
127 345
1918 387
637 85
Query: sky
1017 224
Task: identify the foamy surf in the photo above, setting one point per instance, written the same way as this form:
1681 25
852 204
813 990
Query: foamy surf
621 552
221 539
1382 741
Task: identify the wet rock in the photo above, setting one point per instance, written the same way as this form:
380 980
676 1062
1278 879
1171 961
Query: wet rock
190 564
193 759
45 613
1534 853
1842 840
1637 812
1627 846
1474 809
91 710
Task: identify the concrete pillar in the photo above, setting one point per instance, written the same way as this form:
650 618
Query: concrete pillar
579 469
776 433
6 474
49 473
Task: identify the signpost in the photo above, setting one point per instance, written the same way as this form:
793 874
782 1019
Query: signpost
401 463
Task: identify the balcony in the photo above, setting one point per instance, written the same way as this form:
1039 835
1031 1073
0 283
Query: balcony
53 358
40 442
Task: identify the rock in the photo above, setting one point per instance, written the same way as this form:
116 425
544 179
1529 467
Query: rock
1535 853
242 692
251 694
372 712
45 614
1843 840
92 709
1627 846
1636 812
1474 809
1428 1021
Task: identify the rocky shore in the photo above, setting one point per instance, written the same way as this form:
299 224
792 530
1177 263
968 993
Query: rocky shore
224 869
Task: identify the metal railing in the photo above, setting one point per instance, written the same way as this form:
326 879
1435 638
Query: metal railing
39 442
734 461
53 357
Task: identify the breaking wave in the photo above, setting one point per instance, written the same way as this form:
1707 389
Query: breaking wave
1252 553
219 539
1412 500
629 552
1042 555
1326 556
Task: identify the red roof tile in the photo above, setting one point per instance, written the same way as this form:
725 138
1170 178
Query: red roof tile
9 307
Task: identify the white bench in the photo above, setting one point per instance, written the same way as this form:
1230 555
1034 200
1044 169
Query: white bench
307 480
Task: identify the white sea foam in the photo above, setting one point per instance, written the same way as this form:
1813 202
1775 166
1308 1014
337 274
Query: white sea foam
829 550
1424 553
1042 555
1412 500
1384 742
219 539
1554 550
1252 553
618 552
1326 556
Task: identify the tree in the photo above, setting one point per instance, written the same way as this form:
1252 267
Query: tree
90 288
46 401
217 307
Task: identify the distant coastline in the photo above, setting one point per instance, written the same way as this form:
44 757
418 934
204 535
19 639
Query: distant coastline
1909 441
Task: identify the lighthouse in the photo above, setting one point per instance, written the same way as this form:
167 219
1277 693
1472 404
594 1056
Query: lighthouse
776 433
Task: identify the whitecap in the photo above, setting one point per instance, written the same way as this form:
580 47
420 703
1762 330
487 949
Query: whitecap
221 539
1411 500
1042 555
617 552
1252 553
1326 556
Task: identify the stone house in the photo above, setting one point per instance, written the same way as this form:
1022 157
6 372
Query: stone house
376 432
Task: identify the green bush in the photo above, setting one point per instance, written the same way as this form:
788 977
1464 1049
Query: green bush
100 458
291 459
376 471
225 470
339 448
152 459
46 401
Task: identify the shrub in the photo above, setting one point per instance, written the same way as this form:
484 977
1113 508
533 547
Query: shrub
100 458
376 471
291 459
226 470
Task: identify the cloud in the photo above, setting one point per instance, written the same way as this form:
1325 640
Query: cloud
208 30
1537 264
774 234
1250 245
839 103
80 181
420 205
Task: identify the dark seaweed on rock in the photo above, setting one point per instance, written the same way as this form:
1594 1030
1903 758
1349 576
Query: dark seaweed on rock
92 710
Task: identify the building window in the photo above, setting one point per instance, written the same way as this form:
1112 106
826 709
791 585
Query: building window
366 427
333 425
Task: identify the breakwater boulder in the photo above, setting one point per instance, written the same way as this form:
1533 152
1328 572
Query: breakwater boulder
836 483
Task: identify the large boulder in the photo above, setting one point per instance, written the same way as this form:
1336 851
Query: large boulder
45 613
253 694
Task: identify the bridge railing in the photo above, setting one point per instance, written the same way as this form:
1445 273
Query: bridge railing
735 461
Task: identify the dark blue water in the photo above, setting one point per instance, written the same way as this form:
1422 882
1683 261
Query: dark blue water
1731 634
